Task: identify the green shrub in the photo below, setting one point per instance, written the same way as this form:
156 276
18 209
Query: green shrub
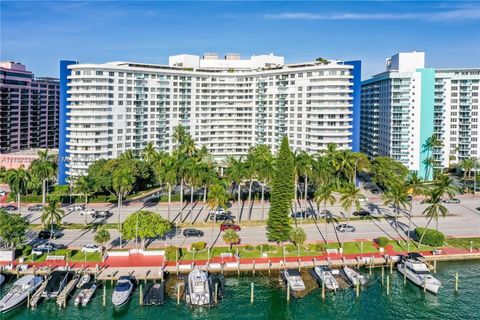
198 246
317 247
26 250
382 241
291 248
248 248
432 237
171 253
265 247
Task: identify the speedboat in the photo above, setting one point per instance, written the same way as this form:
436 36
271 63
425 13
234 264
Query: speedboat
84 280
354 277
294 279
56 282
198 288
325 274
123 291
417 271
86 293
20 291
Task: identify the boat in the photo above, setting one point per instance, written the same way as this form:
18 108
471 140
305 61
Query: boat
56 282
417 272
294 280
354 277
84 280
325 275
123 291
2 279
198 288
85 295
20 291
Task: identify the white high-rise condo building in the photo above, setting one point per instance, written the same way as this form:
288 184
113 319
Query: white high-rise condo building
227 105
408 103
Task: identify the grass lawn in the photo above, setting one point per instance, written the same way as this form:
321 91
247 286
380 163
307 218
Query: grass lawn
73 256
463 243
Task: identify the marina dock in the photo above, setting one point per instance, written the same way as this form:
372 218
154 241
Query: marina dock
155 294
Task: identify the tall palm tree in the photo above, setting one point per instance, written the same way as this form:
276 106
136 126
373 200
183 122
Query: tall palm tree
18 180
323 172
217 198
179 134
467 165
166 172
344 164
350 198
52 215
415 187
397 196
305 169
324 194
149 154
85 185
193 178
428 147
235 174
122 181
251 166
44 168
445 185
434 210
264 170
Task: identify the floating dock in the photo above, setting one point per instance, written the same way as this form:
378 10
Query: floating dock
155 294
64 294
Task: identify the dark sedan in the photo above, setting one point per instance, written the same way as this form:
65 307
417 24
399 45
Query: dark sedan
10 207
362 213
192 233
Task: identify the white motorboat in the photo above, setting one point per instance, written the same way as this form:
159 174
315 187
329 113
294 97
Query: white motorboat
354 277
294 280
85 294
123 291
20 291
198 288
84 280
418 272
325 274
2 279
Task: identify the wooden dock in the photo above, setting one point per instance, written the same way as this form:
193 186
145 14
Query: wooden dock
63 296
38 294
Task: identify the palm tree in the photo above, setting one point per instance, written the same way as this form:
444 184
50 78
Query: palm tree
85 186
149 154
123 181
264 169
235 174
52 215
231 237
44 168
217 198
305 169
444 185
414 186
179 134
350 198
344 164
102 237
18 180
433 211
324 194
166 172
193 178
397 196
428 147
467 165
251 166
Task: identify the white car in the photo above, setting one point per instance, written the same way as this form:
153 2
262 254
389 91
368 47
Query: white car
42 248
89 212
91 248
75 207
2 193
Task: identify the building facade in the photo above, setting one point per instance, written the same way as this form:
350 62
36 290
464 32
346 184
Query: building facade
29 109
408 103
227 105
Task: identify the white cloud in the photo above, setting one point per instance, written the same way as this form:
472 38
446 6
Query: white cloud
457 14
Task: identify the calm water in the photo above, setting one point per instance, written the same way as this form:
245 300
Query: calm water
270 303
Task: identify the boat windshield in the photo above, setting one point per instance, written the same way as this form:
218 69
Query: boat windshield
122 286
198 286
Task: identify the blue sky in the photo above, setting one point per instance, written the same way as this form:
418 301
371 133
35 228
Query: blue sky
40 33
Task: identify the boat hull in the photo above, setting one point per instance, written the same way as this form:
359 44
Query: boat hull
431 287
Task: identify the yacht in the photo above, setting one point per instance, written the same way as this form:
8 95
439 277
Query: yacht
354 277
56 282
198 288
325 275
123 291
417 271
2 279
84 280
294 280
86 293
20 291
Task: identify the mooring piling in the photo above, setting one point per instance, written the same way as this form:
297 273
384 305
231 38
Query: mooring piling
251 292
456 281
388 285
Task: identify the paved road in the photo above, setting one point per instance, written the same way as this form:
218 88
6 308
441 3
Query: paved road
465 221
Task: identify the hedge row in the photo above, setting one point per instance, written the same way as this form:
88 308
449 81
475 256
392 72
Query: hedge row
432 237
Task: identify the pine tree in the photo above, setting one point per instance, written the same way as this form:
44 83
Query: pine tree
282 193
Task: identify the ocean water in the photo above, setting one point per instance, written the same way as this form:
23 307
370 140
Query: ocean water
404 302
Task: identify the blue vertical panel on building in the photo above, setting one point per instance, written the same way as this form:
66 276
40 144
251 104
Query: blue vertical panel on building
62 147
356 95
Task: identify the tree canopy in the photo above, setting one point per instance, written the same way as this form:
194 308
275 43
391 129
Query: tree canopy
145 225
388 172
13 228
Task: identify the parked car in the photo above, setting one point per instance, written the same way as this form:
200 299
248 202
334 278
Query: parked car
42 248
362 198
2 193
345 228
89 212
91 248
102 214
409 198
478 209
301 215
376 191
75 207
452 200
37 207
226 226
221 216
47 234
10 207
362 213
192 233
